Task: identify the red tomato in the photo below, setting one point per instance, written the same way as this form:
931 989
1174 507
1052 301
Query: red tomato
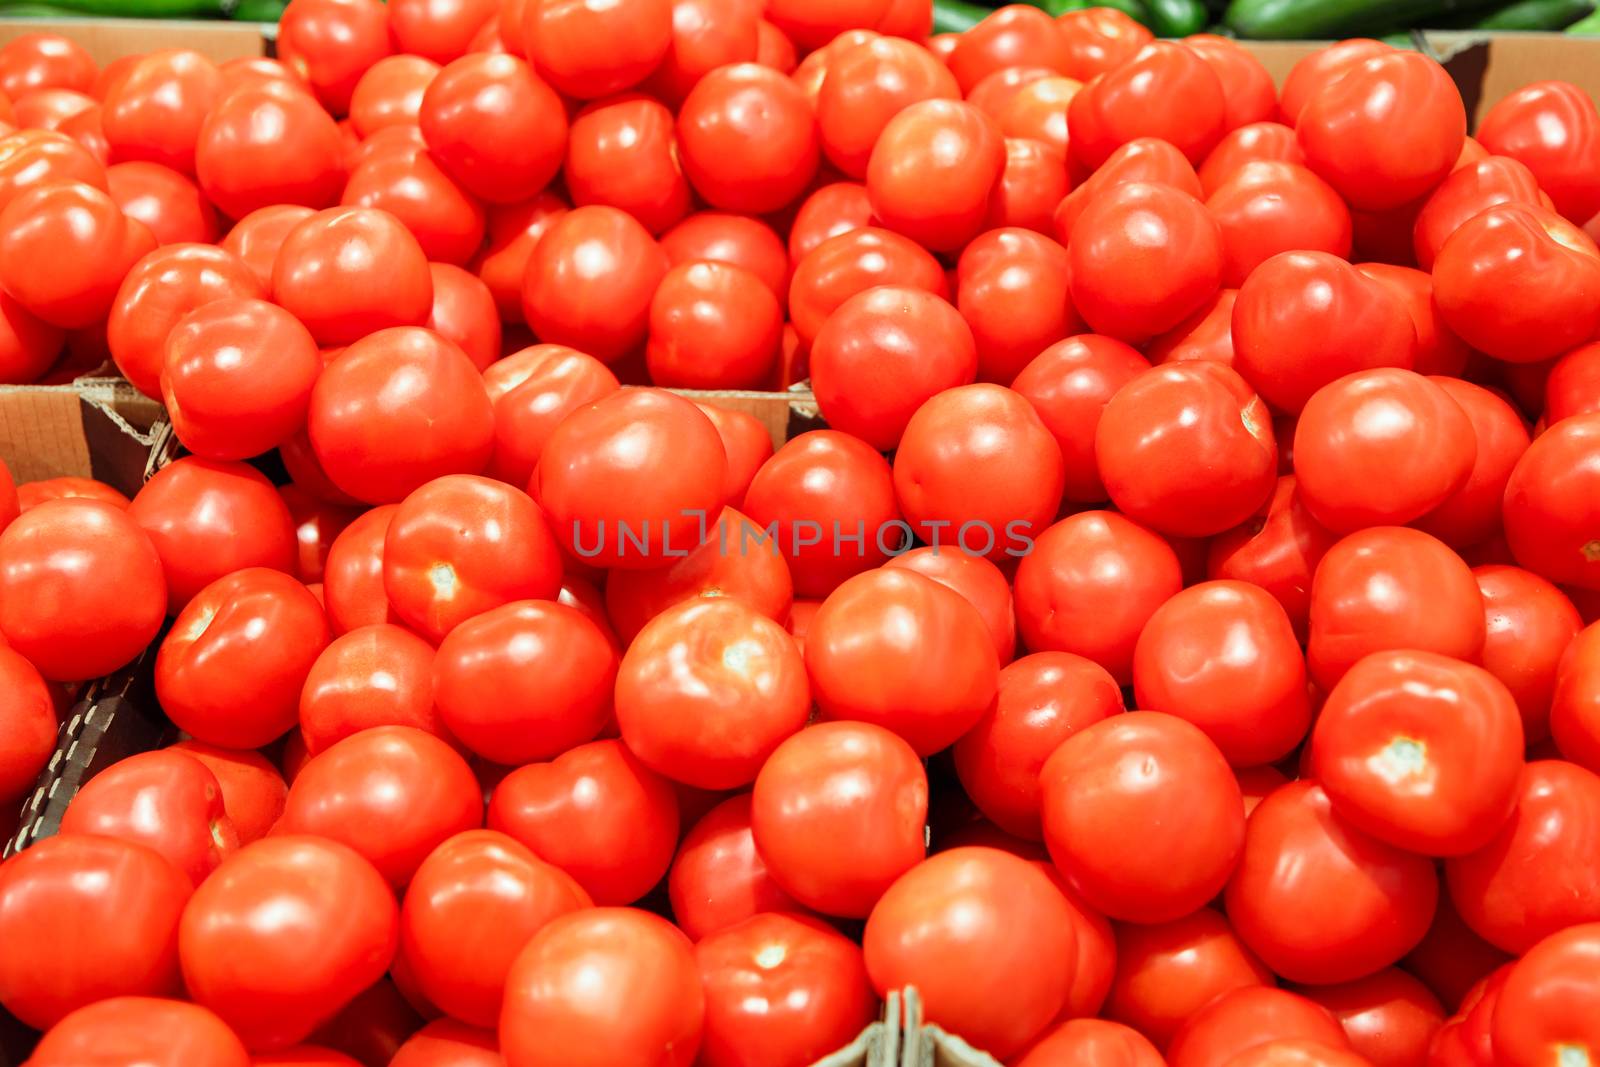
1013 293
864 86
1069 384
532 391
376 675
252 789
1466 192
1573 387
718 879
1092 1042
464 312
1322 67
144 1030
267 143
256 238
1529 623
353 573
1304 319
513 230
1297 1053
1553 128
86 918
851 262
33 157
409 184
713 326
980 582
161 289
447 1043
331 43
45 61
623 153
64 249
1438 351
748 445
964 921
27 725
1373 901
1549 504
397 409
1259 142
1277 550
1249 95
164 800
390 93
494 126
1013 36
1205 335
284 934
168 203
737 240
589 49
1038 111
441 30
830 211
926 647
1389 1017
590 279
641 464
1575 703
1165 91
597 813
1472 514
81 588
155 110
1145 159
1089 586
1265 208
706 34
348 272
600 987
1185 803
780 991
837 814
1168 971
748 139
1543 1006
812 25
932 170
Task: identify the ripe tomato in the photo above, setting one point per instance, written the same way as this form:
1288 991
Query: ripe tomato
43 61
864 86
737 240
267 143
980 582
27 726
1549 504
532 391
145 1030
33 157
1529 624
64 249
1166 91
1373 901
390 93
396 410
513 230
1472 514
1265 208
603 986
1575 704
589 49
86 918
851 262
350 271
589 281
494 126
1389 1017
706 34
1013 292
623 153
718 879
932 170
1304 319
1184 801
81 588
830 211
1086 1042
208 518
963 921
155 110
1249 95
376 675
1167 972
1069 384
253 790
31 494
1037 111
441 30
1258 142
748 445
926 647
838 814
1154 232
1554 129
1089 586
596 812
1278 550
748 138
1014 36
447 1043
1145 159
1542 1008
780 991
464 312
1573 385
353 573
169 204
713 326
284 934
409 184
28 345
1468 191
1322 67
1482 282
331 43
256 237
159 290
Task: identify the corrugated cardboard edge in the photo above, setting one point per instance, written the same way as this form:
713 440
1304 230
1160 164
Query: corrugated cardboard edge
926 1045
783 414
1489 67
108 39
94 428
876 1046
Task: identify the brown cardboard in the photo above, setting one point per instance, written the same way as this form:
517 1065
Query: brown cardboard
1279 57
96 428
926 1045
785 415
1489 67
108 39
876 1046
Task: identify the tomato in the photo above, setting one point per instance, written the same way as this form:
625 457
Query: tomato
464 312
1554 129
713 326
1305 319
1452 960
1573 384
31 494
926 647
328 271
1091 1042
642 463
832 210
1013 36
837 814
256 238
1146 160
33 157
1389 1017
980 582
159 290
780 991
409 184
252 789
144 1030
81 588
820 489
589 49
513 230
1472 514
84 918
390 93
1013 293
1466 192
1542 1008
494 126
316 523
1321 68
623 153
1297 1053
377 675
27 726
1038 111
64 248
748 445
440 30
1249 95
718 879
1373 901
373 1026
590 279
1548 504
1089 586
603 986
736 240
267 143
331 43
706 34
397 409
45 60
864 86
169 204
447 1043
1258 142
1265 208
353 573
1184 796
1069 384
932 170
532 391
748 139
154 111
284 934
1278 550
1207 334
851 262
1165 91
1575 703
1168 971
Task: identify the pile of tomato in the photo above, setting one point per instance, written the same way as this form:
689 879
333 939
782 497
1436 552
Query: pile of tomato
1172 651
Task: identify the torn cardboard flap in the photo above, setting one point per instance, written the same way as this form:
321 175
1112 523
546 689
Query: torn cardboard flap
94 428
785 415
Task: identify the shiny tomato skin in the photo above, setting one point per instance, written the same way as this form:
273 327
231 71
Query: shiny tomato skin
327 269
447 1043
1186 796
1549 501
718 879
57 607
747 443
331 43
1145 159
1249 95
532 391
1554 129
1265 208
603 986
441 30
1573 384
390 93
623 152
169 204
257 236
932 170
748 139
472 905
1390 1017
154 111
780 991
1263 142
1069 384
1575 702
1529 624
494 126
27 726
1037 112
1100 566
927 649
1088 1042
983 585
1278 550
838 814
1013 291
1165 91
1374 901
45 61
115 900
1466 192
960 922
737 240
848 263
253 790
1472 514
1100 39
352 588
588 50
1386 132
865 86
64 248
29 346
596 812
284 934
1390 587
589 281
828 212
407 182
145 1030
1167 972
713 326
1543 1008
378 675
512 230
1320 68
209 518
1237 1021
267 143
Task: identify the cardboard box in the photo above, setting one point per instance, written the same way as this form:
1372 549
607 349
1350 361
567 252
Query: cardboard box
1489 67
108 39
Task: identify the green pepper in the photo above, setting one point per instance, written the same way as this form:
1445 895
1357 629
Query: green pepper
1547 15
1309 19
1177 18
957 16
